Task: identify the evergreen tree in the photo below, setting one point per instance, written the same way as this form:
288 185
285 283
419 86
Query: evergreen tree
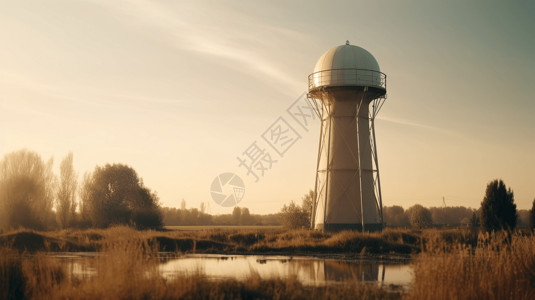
498 208
532 216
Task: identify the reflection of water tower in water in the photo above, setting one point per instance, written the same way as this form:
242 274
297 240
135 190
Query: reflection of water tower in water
346 80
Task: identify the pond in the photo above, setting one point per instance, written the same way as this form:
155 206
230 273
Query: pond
309 270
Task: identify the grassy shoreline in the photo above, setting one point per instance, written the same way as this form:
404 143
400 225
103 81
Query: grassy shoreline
127 269
448 264
217 241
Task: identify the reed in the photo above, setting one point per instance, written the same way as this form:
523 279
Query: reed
127 268
448 264
501 266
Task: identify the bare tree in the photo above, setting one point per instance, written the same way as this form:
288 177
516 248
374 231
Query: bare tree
66 193
83 195
308 205
27 190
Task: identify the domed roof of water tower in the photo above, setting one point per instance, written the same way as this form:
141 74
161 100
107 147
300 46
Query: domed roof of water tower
346 65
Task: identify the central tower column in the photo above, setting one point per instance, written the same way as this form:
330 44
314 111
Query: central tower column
345 162
345 83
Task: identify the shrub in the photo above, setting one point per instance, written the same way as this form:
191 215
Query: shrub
419 216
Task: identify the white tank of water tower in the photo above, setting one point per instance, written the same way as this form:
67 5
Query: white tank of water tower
347 90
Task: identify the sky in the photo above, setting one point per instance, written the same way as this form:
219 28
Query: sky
179 90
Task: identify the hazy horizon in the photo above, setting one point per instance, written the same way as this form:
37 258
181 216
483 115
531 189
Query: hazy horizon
179 90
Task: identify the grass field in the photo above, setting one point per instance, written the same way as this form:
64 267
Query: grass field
448 264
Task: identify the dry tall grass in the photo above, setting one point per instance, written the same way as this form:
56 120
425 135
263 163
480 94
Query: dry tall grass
453 264
127 268
24 277
501 266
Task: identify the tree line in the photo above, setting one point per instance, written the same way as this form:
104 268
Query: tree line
32 196
497 212
240 216
417 215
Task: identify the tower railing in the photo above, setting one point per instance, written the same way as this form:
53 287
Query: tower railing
346 77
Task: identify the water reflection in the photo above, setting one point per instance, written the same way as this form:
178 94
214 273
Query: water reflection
342 270
308 270
79 265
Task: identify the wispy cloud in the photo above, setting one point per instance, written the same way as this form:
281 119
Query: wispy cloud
240 44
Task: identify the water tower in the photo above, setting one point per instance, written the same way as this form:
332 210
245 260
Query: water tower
347 90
